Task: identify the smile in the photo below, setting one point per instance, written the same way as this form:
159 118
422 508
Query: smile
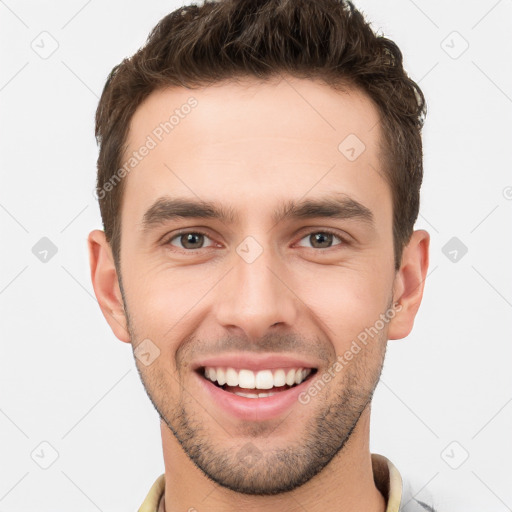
253 395
260 384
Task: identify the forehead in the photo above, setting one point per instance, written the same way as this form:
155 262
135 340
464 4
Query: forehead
253 142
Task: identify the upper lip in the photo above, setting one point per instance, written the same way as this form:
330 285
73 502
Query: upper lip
254 362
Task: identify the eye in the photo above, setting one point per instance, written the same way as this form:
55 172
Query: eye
190 240
321 239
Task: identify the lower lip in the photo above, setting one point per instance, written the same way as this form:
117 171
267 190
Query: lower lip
254 409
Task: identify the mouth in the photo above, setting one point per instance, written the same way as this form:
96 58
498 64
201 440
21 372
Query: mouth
259 384
254 396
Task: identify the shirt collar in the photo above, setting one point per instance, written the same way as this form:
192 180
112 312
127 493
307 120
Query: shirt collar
388 481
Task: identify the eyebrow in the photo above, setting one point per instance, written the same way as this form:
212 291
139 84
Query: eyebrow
338 206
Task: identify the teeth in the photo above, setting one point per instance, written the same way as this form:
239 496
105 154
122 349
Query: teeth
221 376
300 376
263 379
231 377
290 377
211 374
246 379
253 395
279 378
247 395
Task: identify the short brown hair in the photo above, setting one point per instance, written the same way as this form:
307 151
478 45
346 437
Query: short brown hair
330 40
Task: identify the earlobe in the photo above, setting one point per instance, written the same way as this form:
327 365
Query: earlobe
409 284
106 285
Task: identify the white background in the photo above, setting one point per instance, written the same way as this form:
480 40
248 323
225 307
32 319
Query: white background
67 381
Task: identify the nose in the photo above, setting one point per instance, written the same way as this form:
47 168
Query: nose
254 297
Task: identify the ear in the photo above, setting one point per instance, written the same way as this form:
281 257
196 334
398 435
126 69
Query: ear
409 283
106 284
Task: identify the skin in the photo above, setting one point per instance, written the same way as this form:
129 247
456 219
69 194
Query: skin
254 146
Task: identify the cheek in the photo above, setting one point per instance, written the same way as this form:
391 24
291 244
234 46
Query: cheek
162 301
347 301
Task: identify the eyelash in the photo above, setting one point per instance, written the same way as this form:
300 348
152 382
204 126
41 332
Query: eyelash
199 232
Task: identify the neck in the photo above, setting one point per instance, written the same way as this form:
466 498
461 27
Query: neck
345 484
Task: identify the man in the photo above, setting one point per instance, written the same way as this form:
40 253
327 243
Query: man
258 178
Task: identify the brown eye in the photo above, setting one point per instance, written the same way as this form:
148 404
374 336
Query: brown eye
321 240
189 240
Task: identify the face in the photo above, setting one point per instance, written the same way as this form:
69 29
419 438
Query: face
256 248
